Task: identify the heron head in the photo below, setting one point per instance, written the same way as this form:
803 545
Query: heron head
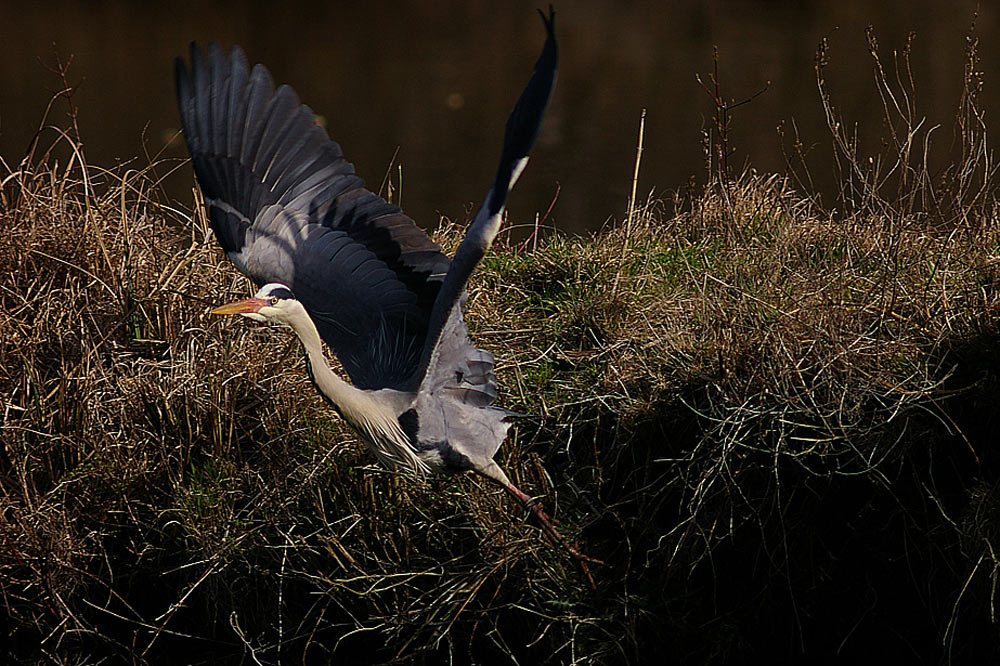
273 302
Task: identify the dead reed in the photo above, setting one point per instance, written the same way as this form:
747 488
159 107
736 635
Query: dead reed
771 417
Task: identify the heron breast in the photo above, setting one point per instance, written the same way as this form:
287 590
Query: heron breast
439 455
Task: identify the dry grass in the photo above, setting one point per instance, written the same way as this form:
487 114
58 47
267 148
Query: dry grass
768 417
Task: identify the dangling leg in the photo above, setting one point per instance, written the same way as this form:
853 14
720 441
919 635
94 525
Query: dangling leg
493 472
547 525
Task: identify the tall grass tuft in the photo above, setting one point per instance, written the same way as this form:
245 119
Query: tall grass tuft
771 417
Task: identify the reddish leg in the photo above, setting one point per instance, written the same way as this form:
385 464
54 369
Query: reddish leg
550 529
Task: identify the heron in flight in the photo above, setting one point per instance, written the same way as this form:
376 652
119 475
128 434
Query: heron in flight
340 265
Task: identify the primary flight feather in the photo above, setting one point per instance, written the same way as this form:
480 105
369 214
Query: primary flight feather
339 264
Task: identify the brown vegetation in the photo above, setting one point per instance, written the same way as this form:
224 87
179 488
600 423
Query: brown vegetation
770 418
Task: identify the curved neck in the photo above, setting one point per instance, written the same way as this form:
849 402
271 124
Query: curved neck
350 401
373 414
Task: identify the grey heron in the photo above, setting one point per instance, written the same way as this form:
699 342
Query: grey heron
340 265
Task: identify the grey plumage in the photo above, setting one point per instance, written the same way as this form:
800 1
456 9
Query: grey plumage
287 207
338 263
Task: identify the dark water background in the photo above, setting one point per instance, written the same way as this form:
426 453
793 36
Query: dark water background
435 80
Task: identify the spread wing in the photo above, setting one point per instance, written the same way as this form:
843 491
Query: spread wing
287 207
449 362
455 381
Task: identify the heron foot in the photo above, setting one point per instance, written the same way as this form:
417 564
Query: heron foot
581 559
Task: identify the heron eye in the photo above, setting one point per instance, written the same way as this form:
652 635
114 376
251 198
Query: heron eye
274 300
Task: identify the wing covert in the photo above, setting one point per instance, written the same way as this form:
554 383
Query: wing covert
287 207
443 350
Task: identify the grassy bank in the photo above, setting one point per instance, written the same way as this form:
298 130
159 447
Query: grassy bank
769 417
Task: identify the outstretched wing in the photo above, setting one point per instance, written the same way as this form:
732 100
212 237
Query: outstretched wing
455 381
287 207
449 361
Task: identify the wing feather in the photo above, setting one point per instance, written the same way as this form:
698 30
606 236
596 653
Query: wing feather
259 92
287 207
451 367
446 347
239 77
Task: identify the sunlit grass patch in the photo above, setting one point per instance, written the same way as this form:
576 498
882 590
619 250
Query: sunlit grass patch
757 409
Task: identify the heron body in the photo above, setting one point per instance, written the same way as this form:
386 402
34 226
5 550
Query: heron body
340 265
387 419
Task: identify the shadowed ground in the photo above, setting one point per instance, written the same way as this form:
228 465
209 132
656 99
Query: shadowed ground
770 418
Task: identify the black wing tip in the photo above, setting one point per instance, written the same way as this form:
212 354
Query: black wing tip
525 120
549 21
196 54
215 52
549 57
181 77
238 57
235 56
550 51
195 57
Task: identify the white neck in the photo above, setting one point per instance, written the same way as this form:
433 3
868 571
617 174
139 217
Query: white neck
373 414
349 400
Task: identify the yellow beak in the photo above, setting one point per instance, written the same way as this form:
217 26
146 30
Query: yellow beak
240 307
